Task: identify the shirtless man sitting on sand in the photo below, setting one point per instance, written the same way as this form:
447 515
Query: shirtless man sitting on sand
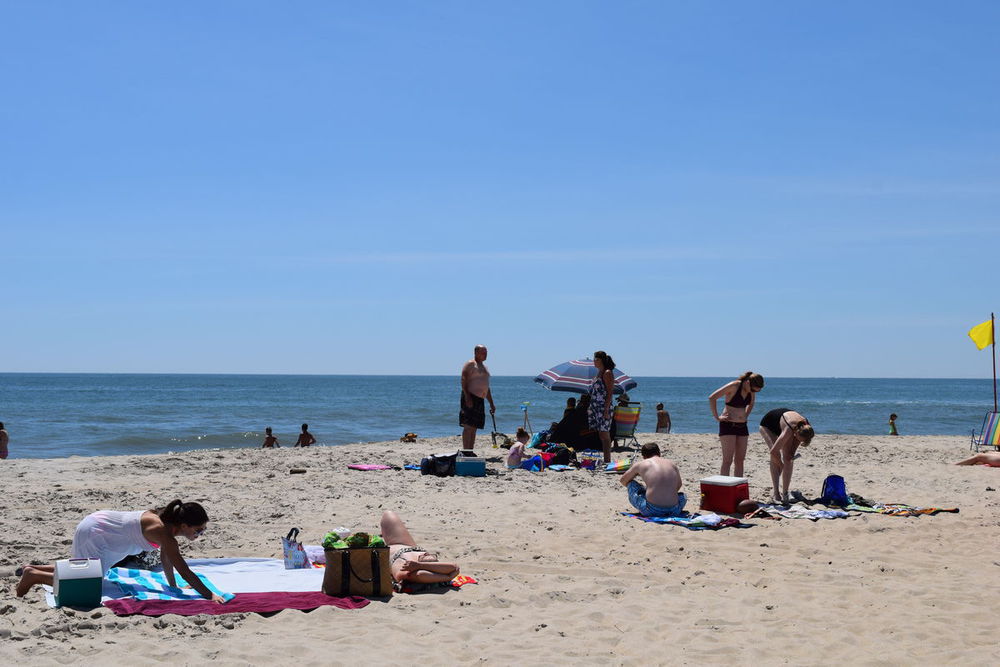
661 495
409 562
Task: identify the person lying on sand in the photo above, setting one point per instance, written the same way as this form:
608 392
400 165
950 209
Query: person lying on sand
661 495
408 561
984 458
111 536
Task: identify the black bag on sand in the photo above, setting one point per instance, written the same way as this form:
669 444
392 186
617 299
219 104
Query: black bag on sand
563 455
442 465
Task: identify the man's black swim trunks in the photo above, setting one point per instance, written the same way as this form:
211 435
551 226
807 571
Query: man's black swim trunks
474 415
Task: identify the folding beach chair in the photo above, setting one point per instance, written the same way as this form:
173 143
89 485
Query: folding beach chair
989 435
626 419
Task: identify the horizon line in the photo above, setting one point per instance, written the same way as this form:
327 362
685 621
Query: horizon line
436 375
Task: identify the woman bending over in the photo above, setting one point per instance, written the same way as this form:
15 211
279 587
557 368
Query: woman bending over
784 430
111 536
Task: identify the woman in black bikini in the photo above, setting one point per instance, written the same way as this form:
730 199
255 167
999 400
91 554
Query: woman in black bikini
409 562
740 396
784 430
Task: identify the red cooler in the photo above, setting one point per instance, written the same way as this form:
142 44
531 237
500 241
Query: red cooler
722 494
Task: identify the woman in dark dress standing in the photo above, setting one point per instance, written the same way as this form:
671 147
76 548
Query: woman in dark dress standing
601 391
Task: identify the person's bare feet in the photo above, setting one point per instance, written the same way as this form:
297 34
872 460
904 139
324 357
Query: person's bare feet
28 580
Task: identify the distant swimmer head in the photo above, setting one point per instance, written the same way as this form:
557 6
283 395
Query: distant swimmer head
267 430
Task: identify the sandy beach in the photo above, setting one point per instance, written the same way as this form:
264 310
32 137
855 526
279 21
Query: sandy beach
563 577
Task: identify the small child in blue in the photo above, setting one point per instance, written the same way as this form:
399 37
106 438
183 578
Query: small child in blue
661 494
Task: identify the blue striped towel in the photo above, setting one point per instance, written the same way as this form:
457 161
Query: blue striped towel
146 585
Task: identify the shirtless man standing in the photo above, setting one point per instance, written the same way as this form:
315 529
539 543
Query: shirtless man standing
4 439
661 496
475 391
662 419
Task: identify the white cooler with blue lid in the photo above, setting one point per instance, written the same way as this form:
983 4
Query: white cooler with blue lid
77 582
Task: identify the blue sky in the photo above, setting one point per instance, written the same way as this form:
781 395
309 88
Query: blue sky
804 189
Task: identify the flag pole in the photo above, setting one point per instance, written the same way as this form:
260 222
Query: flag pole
993 335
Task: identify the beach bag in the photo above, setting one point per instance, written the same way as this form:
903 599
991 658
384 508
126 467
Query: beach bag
560 456
360 571
442 465
835 491
293 552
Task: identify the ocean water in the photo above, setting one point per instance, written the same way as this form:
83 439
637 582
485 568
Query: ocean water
54 415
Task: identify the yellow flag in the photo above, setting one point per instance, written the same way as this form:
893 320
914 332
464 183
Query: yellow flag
982 334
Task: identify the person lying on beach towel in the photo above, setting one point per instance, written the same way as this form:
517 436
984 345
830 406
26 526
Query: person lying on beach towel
409 562
111 536
991 459
661 495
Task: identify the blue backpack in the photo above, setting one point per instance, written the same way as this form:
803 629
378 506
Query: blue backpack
835 491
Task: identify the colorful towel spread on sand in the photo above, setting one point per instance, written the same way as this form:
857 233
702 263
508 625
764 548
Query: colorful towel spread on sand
899 509
800 512
368 466
617 466
243 602
692 521
146 585
559 467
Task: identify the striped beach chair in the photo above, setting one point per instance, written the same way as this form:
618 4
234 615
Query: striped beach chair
989 435
626 419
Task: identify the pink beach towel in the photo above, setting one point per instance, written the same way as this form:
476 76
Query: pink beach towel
368 466
243 602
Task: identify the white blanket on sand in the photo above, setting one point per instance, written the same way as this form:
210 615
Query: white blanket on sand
236 575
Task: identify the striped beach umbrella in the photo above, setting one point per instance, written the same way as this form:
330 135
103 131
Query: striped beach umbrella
577 375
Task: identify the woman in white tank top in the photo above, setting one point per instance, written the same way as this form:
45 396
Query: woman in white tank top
110 536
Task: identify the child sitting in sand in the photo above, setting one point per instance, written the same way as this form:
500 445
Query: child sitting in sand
516 454
269 439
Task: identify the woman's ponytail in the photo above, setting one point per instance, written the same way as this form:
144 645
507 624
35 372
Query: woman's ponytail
177 512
